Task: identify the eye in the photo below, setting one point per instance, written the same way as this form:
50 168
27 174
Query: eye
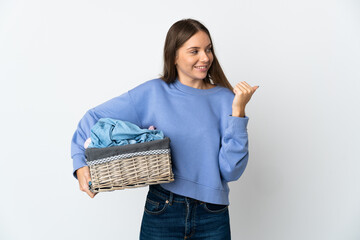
209 50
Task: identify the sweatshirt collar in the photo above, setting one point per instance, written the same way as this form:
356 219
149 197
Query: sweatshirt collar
195 91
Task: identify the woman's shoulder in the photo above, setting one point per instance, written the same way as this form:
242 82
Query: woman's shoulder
155 82
149 86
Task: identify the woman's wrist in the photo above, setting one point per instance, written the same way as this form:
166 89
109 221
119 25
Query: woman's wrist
238 112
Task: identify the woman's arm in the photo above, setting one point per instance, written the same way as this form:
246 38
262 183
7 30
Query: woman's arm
234 155
120 108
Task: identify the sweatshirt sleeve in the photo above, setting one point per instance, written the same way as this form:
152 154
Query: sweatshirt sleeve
120 108
233 155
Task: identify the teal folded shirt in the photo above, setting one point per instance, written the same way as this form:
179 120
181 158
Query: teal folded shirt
109 132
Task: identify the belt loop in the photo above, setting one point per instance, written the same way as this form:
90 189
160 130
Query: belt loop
171 198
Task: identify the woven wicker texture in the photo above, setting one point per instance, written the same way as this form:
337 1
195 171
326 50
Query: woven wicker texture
137 171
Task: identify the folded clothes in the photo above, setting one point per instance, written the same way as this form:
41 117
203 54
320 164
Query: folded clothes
109 132
88 141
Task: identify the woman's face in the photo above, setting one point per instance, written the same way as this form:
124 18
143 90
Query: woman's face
194 57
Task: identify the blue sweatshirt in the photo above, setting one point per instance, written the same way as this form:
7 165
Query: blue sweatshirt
209 146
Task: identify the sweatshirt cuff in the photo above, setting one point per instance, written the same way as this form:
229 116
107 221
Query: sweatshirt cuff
78 162
239 124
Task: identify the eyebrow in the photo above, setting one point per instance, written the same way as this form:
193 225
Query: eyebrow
199 47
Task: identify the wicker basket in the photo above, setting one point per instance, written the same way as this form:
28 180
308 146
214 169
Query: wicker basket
130 166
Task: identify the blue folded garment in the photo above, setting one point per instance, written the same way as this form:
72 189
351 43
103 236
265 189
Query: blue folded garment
109 132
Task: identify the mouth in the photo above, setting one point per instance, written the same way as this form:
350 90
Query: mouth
201 67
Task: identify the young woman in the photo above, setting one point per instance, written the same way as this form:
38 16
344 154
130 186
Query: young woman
204 116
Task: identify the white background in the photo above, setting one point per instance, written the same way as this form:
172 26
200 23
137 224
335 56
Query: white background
60 58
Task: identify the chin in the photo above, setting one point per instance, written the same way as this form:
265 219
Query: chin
200 76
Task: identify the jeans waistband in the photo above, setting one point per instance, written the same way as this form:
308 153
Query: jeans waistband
172 197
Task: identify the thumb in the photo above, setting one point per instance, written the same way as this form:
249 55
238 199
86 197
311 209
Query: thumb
255 88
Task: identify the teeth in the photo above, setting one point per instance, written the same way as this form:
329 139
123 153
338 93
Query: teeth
201 67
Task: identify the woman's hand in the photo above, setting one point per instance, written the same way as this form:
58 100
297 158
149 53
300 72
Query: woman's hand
83 175
243 93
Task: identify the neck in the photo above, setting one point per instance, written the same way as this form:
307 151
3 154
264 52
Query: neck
195 83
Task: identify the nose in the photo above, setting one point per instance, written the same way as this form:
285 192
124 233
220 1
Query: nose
204 57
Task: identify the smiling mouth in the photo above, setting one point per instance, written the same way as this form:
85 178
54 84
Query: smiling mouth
201 67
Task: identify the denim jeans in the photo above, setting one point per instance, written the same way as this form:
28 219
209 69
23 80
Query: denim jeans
168 216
